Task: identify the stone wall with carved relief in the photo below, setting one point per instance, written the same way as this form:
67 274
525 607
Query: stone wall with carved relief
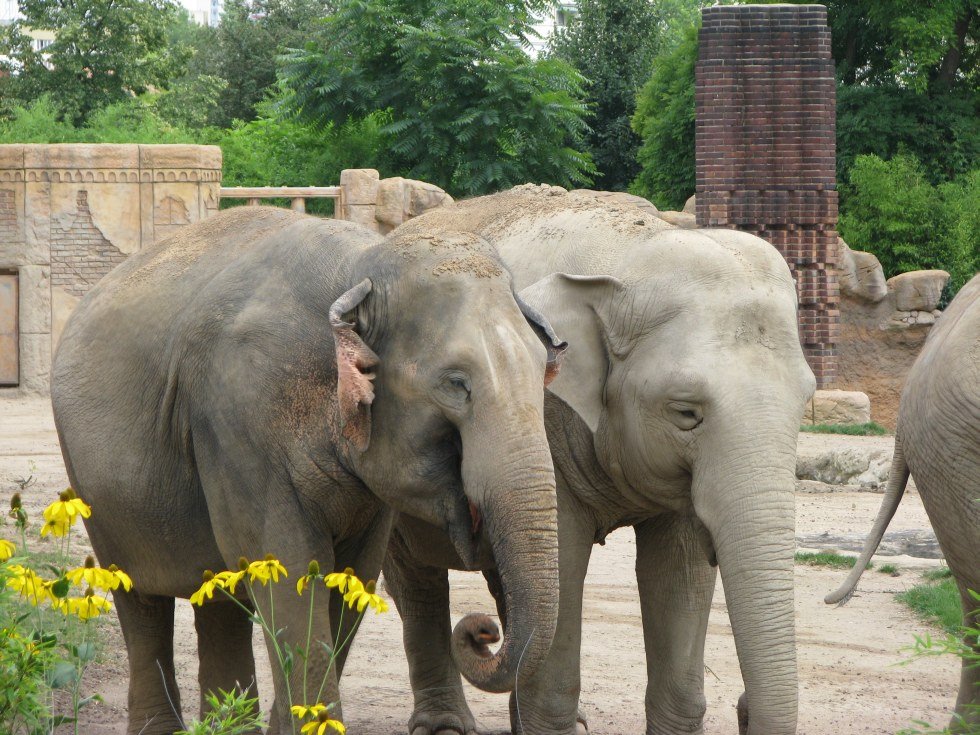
71 213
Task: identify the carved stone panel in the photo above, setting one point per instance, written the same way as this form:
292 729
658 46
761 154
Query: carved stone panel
9 332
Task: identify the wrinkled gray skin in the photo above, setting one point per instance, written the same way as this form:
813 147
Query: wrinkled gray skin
676 412
938 443
271 383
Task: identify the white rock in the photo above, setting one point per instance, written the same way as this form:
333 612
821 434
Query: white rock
838 407
860 274
917 290
690 206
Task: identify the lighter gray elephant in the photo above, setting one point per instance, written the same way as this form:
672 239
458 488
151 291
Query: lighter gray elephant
938 443
676 412
271 383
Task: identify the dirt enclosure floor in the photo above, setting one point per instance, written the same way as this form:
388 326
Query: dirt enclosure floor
851 680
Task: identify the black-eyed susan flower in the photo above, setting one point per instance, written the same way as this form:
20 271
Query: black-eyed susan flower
322 724
229 580
29 584
85 608
342 580
363 595
267 570
121 579
206 590
58 527
7 549
302 711
67 508
312 573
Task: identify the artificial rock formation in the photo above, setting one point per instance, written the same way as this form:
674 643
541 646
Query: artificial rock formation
383 204
70 213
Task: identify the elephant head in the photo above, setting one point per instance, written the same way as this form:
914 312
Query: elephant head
686 365
440 405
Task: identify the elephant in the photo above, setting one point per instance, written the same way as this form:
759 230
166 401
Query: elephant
676 412
937 443
266 382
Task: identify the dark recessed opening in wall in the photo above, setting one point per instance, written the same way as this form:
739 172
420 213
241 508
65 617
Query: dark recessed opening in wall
9 329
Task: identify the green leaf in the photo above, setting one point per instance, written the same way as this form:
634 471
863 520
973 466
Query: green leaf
61 675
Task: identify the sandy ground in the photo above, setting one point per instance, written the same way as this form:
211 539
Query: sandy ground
851 680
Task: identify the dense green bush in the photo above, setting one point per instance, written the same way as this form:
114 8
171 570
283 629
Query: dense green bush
664 120
890 209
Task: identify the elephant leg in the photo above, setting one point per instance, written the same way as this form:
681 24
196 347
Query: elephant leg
676 584
224 648
147 623
364 554
967 715
421 594
548 701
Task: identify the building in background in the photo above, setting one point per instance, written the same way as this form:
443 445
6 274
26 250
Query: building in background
557 17
205 12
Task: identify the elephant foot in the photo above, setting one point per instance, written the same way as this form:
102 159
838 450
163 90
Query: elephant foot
581 724
742 711
442 723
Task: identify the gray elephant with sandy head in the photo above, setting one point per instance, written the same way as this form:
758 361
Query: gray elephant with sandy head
937 443
676 412
270 383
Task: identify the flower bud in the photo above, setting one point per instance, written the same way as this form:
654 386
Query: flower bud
208 575
370 587
313 569
89 562
15 502
242 564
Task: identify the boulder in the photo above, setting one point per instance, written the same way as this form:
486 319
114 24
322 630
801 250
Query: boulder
360 185
690 206
860 467
918 290
679 219
838 407
860 274
401 199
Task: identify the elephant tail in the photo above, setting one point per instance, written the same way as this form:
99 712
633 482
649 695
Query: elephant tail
898 477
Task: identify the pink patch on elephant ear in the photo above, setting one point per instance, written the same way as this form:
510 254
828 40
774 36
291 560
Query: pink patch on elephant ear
355 360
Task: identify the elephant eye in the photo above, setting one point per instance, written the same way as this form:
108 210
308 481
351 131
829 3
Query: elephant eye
460 383
683 415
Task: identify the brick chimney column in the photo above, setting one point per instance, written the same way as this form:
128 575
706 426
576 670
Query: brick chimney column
766 156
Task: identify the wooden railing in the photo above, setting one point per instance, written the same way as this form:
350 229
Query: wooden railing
298 195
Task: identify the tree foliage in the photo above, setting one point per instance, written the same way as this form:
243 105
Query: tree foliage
103 51
612 44
467 109
889 208
664 120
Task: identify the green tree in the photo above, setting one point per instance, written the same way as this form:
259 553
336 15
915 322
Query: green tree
251 36
612 44
664 120
103 51
467 109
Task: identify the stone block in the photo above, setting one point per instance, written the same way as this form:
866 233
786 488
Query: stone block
860 275
917 290
363 214
37 222
838 407
360 185
12 156
35 299
401 199
81 156
690 206
180 156
35 363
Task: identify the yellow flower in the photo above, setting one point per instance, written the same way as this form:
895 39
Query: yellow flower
342 580
362 596
206 590
312 573
66 509
321 724
29 584
229 580
121 578
266 570
7 549
301 711
56 528
87 607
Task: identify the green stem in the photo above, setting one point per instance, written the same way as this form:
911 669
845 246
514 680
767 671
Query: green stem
309 637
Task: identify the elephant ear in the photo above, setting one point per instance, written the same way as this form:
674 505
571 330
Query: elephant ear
355 361
571 304
542 327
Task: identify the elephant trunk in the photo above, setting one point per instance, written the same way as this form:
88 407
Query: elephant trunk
749 511
519 513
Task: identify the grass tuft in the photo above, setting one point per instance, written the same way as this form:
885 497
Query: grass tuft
888 569
869 429
826 559
935 575
936 602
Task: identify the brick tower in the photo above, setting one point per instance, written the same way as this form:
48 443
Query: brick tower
766 149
